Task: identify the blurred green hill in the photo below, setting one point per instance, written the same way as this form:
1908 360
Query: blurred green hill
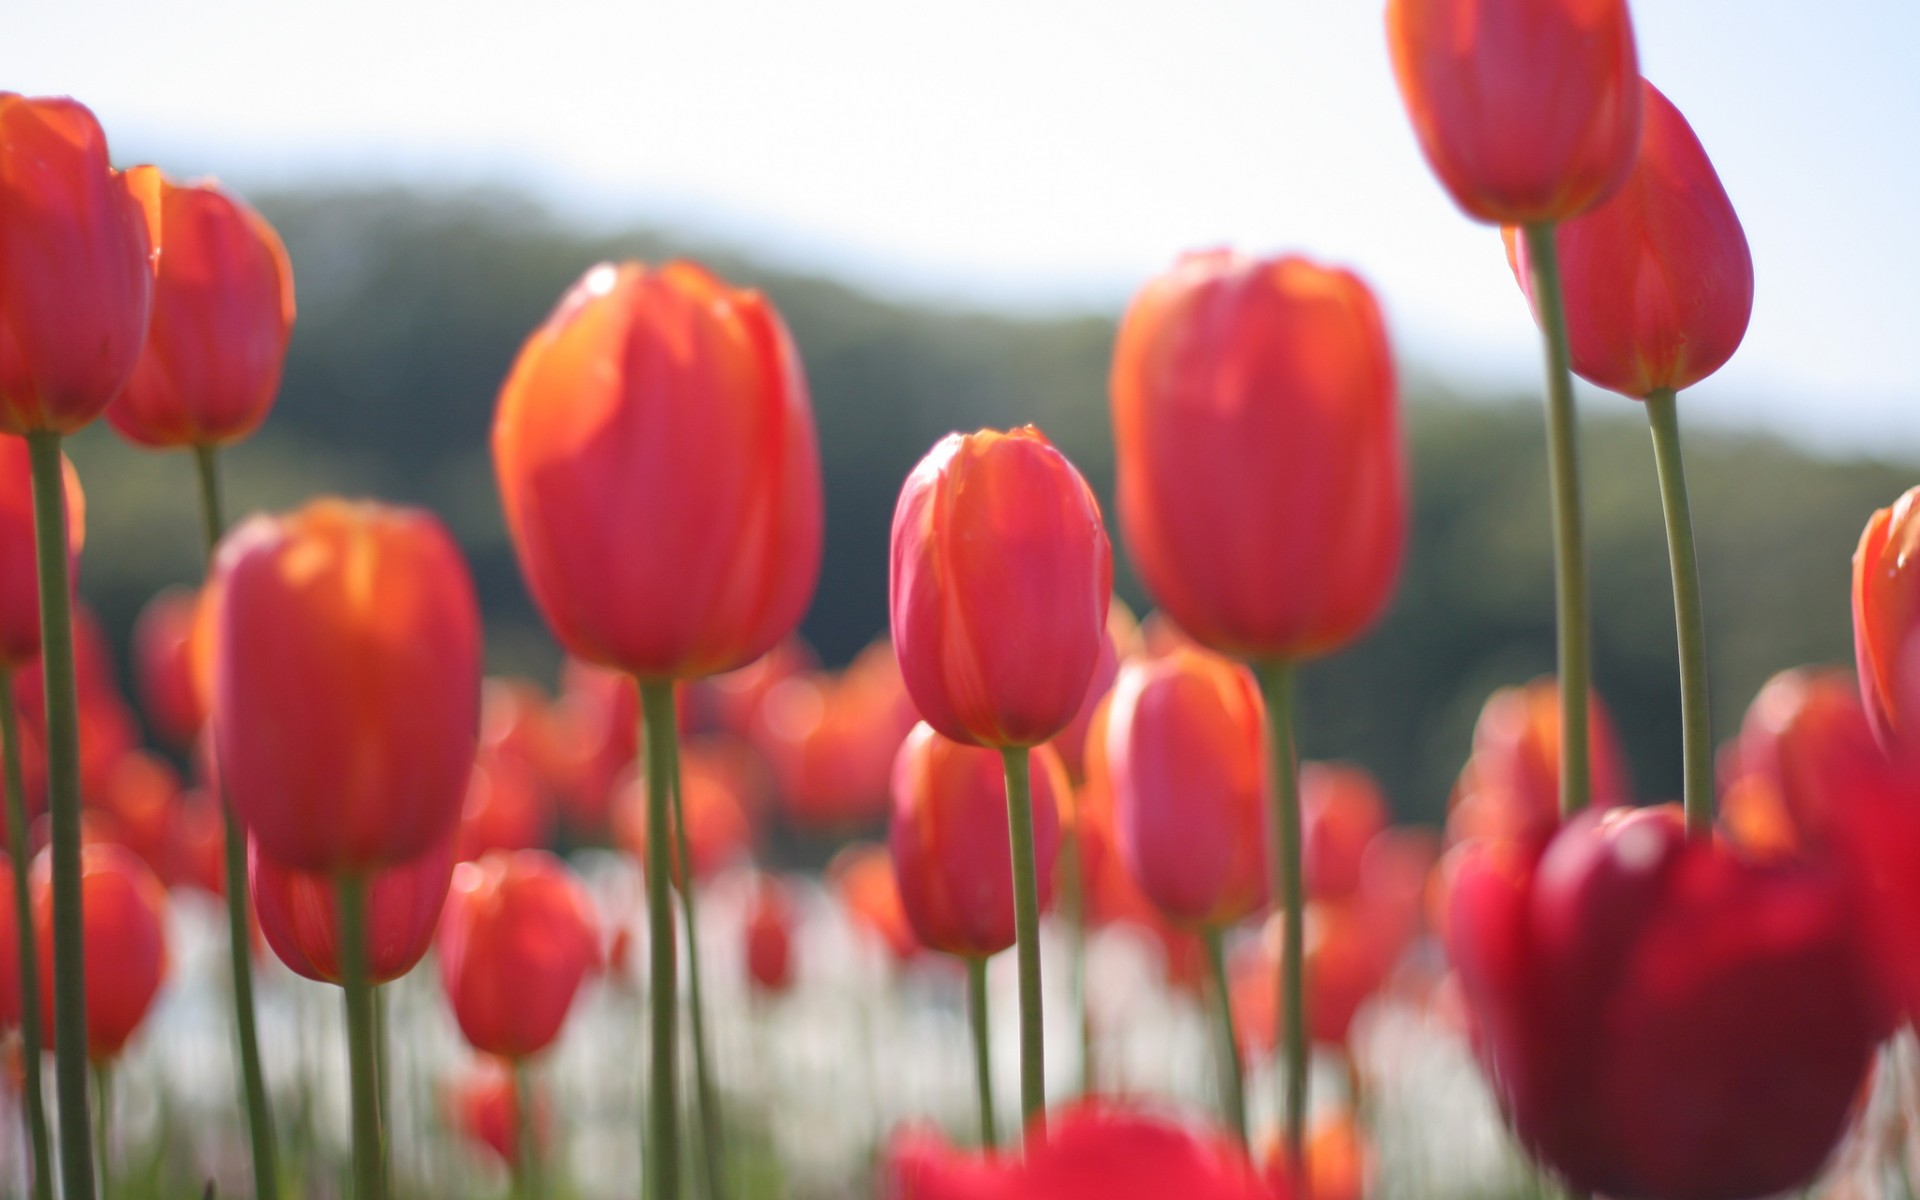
413 306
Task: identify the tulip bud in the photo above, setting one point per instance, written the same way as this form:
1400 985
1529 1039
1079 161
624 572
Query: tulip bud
656 458
163 665
1886 618
1527 110
1000 579
1793 759
19 570
768 936
299 913
1262 483
123 915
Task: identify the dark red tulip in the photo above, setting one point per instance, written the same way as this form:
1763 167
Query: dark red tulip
768 936
486 1110
299 913
124 911
19 573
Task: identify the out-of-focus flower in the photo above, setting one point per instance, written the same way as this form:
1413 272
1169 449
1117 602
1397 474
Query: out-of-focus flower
299 913
163 666
123 923
768 936
1510 788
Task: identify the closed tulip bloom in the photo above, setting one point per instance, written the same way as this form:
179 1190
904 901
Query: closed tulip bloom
1886 615
1527 110
163 666
1262 481
1658 281
1789 769
78 241
948 837
346 683
1184 752
299 913
222 315
656 457
124 912
1510 787
518 937
1000 580
507 807
19 574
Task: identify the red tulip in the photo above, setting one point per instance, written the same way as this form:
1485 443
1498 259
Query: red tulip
163 665
347 683
1660 1017
300 913
140 809
1658 281
107 725
518 936
732 699
222 315
1000 580
1071 743
596 724
19 572
486 1109
1262 482
506 806
948 837
862 879
768 939
1788 771
78 243
1527 110
123 910
1510 788
831 740
718 828
656 459
1886 615
1341 813
1184 748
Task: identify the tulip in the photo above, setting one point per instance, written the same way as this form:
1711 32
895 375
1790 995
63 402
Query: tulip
1070 744
718 831
163 666
1341 813
768 937
831 740
1508 790
733 699
1660 1017
1339 1163
299 913
1527 110
518 937
596 724
222 315
506 806
1790 766
139 809
125 928
19 598
346 701
862 879
486 1110
1886 616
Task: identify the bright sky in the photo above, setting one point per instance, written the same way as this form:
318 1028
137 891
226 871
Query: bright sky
1046 153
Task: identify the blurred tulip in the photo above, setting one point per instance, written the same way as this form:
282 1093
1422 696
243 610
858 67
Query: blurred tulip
163 666
299 913
1657 281
732 699
346 702
1339 1162
1886 614
518 936
1000 579
140 808
861 877
506 806
1071 743
222 316
1184 745
200 840
596 723
485 1108
718 829
1341 812
948 837
1510 788
656 458
768 936
78 244
831 740
1261 477
19 575
1527 110
106 724
1660 1017
124 911
1786 773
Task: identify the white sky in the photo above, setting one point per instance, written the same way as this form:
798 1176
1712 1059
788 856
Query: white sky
1043 153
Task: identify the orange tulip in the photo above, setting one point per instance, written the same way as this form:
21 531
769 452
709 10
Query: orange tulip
78 242
347 683
124 930
1886 616
222 316
140 809
1510 787
163 665
518 937
1000 581
656 458
19 574
1262 482
299 913
1658 281
831 740
1527 110
1789 769
948 838
862 879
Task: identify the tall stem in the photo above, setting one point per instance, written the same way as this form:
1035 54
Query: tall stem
36 1107
982 1048
63 807
253 1083
526 1150
103 1125
369 1176
1284 875
1233 1093
712 1133
1569 547
663 1104
1026 931
1690 622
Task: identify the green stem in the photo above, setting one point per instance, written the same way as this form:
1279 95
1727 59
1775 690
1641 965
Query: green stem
1284 875
1689 620
103 1124
36 1107
1233 1093
1569 548
63 807
369 1182
1026 931
663 1158
982 1048
526 1159
712 1139
253 1083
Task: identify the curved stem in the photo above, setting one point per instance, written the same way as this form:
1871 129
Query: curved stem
369 1181
253 1083
982 1048
1569 548
1284 876
36 1107
1233 1093
526 1157
1690 622
663 1115
1026 931
63 808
